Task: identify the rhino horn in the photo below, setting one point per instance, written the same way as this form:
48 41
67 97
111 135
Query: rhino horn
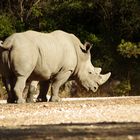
104 78
97 70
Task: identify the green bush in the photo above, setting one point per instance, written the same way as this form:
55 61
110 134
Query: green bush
123 89
6 25
129 49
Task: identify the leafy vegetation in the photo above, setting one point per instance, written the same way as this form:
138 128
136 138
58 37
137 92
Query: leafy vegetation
129 49
113 26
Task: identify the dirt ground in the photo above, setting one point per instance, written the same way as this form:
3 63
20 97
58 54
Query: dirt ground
76 119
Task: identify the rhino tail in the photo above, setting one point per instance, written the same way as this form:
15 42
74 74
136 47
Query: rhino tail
8 43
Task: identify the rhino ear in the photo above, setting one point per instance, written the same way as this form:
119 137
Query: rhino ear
86 47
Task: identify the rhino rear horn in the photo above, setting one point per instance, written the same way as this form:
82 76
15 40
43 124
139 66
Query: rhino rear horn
97 70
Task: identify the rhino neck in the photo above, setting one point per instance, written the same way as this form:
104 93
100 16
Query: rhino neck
78 56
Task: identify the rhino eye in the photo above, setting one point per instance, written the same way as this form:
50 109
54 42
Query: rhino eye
90 72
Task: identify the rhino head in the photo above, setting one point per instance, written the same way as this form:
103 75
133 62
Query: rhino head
89 76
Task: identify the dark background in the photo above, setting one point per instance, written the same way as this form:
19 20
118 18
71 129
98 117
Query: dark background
113 26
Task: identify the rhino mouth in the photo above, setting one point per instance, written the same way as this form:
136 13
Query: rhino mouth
90 89
95 88
89 85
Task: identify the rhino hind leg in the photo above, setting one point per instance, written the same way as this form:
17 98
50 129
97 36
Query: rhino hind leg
44 87
11 97
60 79
19 88
9 85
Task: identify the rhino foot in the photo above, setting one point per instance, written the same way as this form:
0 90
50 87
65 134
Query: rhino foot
30 100
21 101
55 99
10 100
41 99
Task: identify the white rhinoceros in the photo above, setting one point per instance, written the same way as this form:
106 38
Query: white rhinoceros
9 78
57 57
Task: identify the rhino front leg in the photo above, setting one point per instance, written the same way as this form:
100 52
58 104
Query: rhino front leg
57 83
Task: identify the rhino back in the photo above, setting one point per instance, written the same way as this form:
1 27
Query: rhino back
43 54
23 54
56 52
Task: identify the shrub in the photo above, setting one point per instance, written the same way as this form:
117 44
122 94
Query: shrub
6 26
129 49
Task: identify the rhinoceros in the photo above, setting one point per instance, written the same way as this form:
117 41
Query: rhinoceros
55 58
9 78
7 75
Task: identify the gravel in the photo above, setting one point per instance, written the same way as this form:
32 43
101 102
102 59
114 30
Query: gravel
71 111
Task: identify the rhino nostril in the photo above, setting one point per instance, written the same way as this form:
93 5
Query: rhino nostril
95 88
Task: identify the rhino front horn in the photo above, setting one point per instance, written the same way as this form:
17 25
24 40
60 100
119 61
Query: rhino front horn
104 78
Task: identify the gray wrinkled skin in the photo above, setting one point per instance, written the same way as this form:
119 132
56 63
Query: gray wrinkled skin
9 78
51 57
